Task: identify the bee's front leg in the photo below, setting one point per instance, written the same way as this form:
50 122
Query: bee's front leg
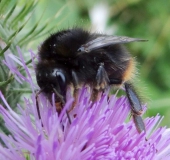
61 103
37 105
76 88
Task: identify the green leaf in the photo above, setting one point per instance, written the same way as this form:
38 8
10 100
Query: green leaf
9 14
29 6
4 83
11 38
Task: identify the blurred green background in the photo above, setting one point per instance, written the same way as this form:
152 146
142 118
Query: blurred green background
27 24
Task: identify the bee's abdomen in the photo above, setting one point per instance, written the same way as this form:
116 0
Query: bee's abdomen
129 71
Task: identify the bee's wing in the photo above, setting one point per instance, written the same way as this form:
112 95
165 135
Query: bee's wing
104 41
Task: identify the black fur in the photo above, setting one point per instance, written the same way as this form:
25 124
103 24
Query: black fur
60 51
77 57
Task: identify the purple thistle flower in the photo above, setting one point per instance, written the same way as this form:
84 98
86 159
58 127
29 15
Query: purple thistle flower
96 132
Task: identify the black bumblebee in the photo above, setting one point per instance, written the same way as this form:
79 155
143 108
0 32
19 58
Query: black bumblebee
76 57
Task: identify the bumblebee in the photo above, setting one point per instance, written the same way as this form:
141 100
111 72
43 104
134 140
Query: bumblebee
77 57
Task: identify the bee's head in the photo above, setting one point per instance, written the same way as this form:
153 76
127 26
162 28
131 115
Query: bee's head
51 79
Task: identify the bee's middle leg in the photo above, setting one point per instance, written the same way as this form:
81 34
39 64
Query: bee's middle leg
101 83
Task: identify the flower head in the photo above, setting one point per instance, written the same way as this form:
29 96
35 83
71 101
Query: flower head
97 131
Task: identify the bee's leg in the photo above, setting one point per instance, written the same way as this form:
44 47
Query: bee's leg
75 89
133 99
59 96
59 104
140 126
37 105
61 99
101 83
136 107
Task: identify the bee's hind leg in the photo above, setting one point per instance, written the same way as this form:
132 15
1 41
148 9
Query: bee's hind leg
136 107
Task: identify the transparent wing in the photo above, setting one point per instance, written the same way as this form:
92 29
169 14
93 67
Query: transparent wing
104 41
